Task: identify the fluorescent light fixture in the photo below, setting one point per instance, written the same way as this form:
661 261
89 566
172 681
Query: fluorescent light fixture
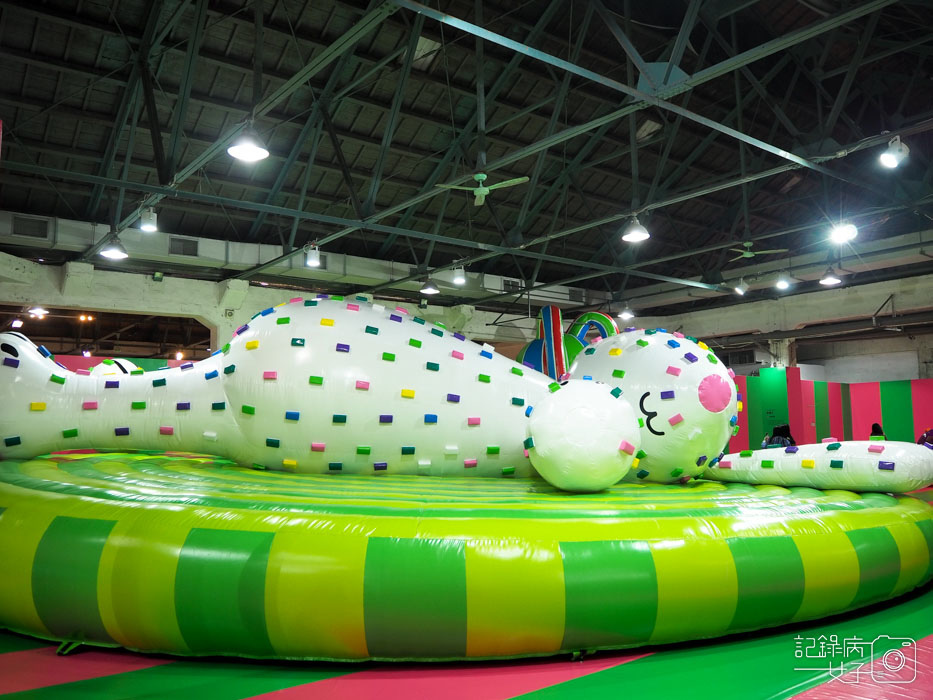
16 323
843 232
741 287
635 232
782 283
896 152
429 287
86 352
148 221
829 278
626 313
248 147
459 275
313 256
114 250
38 311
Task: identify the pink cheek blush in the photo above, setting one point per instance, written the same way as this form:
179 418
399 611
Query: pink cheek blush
714 393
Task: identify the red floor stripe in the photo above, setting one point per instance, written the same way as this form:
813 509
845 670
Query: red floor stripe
493 681
40 668
846 687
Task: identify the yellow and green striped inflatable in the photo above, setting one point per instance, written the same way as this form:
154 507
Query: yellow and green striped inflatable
190 554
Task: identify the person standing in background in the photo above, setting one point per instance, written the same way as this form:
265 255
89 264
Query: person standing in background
876 430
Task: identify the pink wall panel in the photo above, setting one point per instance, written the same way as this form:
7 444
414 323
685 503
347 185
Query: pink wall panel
795 403
866 408
922 392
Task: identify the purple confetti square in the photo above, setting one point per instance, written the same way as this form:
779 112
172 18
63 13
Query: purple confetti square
242 328
528 364
323 296
630 329
121 431
791 450
459 336
183 406
343 347
453 398
111 384
886 466
186 365
701 460
380 466
395 317
667 394
60 364
928 445
385 418
690 357
738 396
10 362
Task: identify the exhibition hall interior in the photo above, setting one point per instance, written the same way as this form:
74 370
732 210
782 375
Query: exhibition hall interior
466 349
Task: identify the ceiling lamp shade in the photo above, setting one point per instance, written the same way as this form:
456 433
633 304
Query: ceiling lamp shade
896 151
148 221
16 323
843 233
313 256
248 146
829 278
429 287
782 283
635 232
114 250
459 276
741 287
38 311
626 314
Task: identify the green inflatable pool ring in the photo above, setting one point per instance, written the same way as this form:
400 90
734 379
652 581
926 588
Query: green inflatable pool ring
190 554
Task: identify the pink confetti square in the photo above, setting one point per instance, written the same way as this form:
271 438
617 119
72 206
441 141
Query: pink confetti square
456 354
525 452
401 310
270 374
360 384
673 370
166 430
626 447
731 373
677 334
830 439
473 420
83 372
469 463
596 340
675 419
294 300
725 465
876 448
353 307
317 446
89 405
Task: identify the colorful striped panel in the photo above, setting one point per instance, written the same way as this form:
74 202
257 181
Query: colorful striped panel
921 391
866 408
897 414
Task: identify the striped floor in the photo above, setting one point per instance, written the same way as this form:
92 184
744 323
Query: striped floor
758 665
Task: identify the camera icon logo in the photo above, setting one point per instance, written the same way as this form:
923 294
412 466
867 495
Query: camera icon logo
897 659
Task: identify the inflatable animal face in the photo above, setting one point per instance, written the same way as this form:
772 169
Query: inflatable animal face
684 397
317 386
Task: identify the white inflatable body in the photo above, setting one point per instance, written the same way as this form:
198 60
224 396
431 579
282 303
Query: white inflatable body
861 465
684 396
316 386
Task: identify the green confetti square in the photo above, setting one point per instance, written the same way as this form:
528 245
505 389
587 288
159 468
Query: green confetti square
432 366
642 342
138 405
70 433
414 342
484 378
408 449
618 373
518 371
418 319
218 405
835 464
283 321
676 472
315 379
508 471
589 351
518 401
158 382
310 302
712 358
58 380
340 418
388 356
363 449
298 342
372 330
137 371
641 454
617 392
553 386
767 464
492 449
249 410
438 332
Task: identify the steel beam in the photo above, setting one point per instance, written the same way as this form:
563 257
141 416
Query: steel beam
843 91
622 38
184 87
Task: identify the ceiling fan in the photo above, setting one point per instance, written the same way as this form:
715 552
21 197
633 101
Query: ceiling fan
747 252
481 190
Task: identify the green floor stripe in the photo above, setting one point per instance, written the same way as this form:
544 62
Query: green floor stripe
611 593
751 666
770 579
191 680
897 410
414 597
220 589
14 642
67 602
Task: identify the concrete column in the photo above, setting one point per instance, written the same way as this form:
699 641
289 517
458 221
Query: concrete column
783 352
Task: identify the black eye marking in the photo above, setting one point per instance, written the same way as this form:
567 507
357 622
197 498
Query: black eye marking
648 414
9 349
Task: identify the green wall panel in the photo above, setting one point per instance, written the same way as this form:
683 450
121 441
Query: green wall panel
821 404
897 411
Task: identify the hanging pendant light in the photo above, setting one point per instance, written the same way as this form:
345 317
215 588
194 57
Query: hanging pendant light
626 314
248 146
148 221
459 276
313 256
896 152
635 232
429 287
829 278
114 250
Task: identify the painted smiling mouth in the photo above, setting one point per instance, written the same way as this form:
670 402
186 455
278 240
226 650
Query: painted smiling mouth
648 414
